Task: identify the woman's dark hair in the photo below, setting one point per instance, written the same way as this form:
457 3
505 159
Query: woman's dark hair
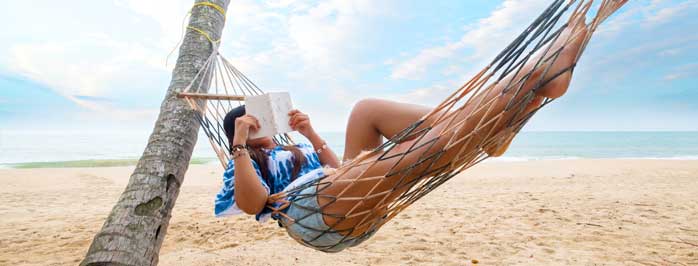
258 154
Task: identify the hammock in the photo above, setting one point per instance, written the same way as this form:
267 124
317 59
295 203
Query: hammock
219 87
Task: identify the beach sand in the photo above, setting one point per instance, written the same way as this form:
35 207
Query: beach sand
568 212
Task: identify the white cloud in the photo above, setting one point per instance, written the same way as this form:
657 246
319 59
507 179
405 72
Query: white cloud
330 32
299 40
662 15
281 3
314 50
670 52
168 14
86 67
430 96
683 71
649 15
627 55
485 37
118 64
311 44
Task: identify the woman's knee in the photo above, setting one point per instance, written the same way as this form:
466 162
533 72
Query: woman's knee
366 106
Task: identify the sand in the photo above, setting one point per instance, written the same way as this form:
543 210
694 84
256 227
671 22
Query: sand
571 212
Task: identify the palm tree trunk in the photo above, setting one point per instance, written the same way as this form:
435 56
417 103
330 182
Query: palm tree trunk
134 230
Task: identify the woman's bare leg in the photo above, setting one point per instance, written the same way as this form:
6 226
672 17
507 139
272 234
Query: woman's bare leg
373 119
356 191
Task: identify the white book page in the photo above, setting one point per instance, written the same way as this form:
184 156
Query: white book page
271 110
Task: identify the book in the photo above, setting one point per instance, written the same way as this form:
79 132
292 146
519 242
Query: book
271 110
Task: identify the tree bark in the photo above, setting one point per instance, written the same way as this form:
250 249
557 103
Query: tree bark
134 230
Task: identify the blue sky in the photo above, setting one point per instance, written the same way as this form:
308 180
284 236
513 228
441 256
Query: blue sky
86 65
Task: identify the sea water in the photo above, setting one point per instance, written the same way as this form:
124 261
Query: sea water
588 144
60 146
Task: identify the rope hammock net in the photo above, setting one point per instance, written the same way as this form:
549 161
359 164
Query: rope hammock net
429 152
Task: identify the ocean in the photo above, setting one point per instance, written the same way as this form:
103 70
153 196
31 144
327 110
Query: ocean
94 148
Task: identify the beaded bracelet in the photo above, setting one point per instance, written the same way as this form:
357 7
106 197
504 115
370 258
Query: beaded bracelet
238 150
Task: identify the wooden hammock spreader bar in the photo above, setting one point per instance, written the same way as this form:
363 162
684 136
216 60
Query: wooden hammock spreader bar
210 96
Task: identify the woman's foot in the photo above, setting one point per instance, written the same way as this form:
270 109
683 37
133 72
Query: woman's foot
572 38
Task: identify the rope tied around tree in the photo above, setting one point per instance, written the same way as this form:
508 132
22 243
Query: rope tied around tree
200 31
213 42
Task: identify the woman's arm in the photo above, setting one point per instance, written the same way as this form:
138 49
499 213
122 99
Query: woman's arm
250 195
326 155
301 122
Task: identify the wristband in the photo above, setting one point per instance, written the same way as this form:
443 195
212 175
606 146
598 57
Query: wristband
237 148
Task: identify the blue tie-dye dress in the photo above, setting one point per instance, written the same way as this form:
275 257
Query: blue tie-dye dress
280 170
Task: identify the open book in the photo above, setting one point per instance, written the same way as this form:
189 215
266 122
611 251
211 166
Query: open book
271 109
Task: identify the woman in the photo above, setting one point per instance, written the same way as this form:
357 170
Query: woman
267 168
259 167
248 182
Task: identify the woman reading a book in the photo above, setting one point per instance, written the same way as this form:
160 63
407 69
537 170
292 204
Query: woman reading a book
260 168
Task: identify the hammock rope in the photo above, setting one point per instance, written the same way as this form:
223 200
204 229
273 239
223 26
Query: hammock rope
441 132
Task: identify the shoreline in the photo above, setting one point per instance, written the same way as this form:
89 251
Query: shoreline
99 163
94 163
92 149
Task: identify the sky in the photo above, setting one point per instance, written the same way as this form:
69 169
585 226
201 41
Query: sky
101 65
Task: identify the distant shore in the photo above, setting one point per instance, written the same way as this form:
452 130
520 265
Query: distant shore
542 212
204 160
89 163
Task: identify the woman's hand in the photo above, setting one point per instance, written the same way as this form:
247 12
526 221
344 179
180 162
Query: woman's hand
243 125
300 122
